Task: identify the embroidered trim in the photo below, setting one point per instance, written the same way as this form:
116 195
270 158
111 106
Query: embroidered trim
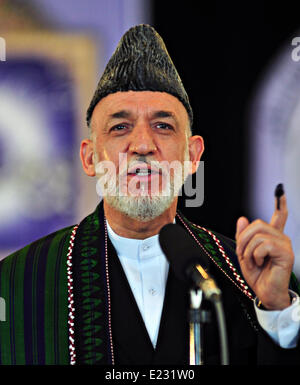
108 296
71 307
89 263
240 282
90 292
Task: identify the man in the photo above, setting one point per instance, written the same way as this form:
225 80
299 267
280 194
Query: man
102 292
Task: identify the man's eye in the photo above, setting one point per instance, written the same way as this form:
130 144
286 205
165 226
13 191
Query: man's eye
118 127
164 126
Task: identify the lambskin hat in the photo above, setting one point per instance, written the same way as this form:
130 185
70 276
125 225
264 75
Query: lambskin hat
140 63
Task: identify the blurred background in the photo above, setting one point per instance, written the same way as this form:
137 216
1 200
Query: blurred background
239 62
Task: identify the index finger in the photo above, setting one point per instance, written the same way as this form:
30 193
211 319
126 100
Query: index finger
280 214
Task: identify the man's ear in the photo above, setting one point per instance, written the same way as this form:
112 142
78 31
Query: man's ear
196 148
87 157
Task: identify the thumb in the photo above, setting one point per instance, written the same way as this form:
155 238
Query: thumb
241 224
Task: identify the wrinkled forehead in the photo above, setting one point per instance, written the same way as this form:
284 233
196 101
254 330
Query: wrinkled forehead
132 104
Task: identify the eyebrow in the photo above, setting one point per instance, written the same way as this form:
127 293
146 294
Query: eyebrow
163 114
123 114
120 114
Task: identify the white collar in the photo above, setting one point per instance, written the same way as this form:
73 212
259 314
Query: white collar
132 248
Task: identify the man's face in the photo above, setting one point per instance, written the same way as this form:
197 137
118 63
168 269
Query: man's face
150 131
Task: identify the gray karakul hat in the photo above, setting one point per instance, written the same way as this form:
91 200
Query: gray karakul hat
140 63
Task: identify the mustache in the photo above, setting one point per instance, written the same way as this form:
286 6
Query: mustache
141 163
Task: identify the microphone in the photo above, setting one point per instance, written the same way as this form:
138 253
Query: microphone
188 260
190 263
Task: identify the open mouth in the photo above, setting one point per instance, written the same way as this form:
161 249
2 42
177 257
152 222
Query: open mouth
143 178
143 170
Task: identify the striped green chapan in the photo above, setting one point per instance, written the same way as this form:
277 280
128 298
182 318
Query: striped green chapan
33 284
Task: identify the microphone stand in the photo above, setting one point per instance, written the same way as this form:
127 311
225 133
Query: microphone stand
198 317
196 349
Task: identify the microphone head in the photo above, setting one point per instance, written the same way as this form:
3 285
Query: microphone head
181 250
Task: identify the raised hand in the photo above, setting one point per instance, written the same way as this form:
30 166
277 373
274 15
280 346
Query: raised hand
266 257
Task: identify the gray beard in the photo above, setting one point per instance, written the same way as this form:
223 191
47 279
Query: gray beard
147 207
142 208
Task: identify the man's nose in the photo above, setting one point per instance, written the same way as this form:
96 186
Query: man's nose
142 140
